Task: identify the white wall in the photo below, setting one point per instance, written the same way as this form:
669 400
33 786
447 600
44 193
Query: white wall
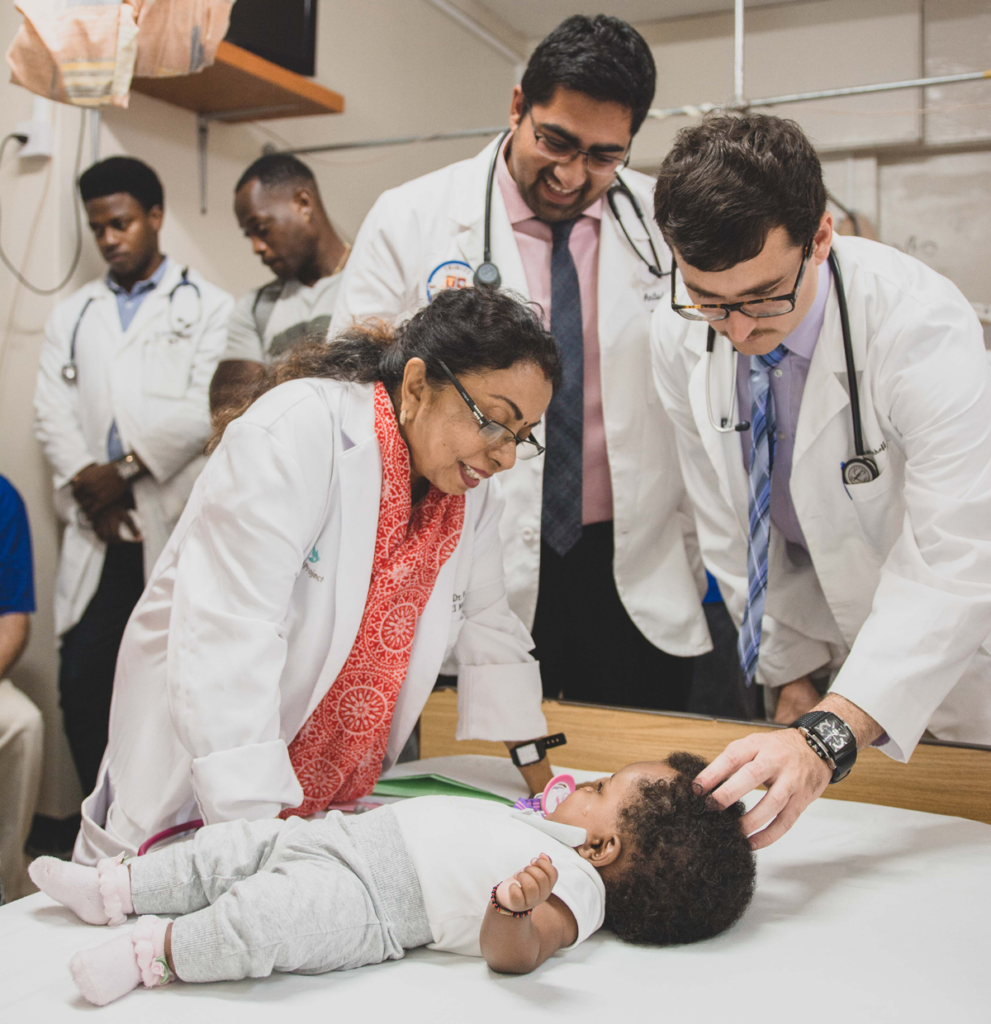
403 68
919 166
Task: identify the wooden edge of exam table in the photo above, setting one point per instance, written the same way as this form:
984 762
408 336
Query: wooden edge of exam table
941 777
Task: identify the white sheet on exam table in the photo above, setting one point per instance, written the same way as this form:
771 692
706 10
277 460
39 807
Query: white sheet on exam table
866 913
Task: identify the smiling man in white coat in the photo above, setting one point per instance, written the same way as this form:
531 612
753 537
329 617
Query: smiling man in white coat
832 400
595 533
123 416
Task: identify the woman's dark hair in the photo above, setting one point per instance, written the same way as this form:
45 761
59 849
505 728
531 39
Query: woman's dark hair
471 330
728 181
603 57
122 174
690 870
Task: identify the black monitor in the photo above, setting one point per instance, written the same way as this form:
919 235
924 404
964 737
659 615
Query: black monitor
282 31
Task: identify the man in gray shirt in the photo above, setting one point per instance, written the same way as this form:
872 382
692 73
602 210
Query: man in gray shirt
278 206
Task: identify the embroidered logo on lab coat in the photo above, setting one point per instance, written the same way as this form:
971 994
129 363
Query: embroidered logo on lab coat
449 274
313 556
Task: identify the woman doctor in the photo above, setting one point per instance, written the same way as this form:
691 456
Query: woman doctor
341 540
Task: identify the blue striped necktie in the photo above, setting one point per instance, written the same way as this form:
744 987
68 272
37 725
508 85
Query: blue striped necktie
561 515
761 463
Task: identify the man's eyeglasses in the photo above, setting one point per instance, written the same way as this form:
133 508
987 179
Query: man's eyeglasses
564 152
495 434
778 305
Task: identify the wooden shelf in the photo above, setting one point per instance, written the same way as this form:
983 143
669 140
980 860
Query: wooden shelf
239 86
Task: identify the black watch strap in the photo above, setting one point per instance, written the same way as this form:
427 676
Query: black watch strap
530 753
831 739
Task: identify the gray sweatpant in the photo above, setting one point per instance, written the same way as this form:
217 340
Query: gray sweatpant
298 896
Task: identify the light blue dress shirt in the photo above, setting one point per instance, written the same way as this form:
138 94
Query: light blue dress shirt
128 304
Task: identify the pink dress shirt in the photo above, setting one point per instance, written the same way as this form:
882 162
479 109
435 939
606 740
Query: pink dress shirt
533 237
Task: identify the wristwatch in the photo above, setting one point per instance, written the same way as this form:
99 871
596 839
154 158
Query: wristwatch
832 740
531 753
128 467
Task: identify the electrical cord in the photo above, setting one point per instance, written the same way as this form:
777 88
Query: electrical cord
75 202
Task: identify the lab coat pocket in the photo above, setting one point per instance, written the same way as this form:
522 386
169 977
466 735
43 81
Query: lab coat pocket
166 363
879 509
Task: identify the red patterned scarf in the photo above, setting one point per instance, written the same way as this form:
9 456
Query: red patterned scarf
337 755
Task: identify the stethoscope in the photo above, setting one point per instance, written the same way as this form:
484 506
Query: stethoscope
179 327
860 469
487 274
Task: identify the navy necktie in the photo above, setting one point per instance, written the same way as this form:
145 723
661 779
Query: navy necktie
561 517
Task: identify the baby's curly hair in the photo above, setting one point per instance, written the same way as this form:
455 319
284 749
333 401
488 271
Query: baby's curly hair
689 871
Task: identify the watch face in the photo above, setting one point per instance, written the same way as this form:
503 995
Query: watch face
833 733
528 754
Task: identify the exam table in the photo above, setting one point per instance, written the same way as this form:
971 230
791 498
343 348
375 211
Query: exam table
862 913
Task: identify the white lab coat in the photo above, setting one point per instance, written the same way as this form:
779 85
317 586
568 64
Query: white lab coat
155 385
411 230
254 607
898 591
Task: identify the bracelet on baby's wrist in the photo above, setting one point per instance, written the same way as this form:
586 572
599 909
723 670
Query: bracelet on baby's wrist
500 909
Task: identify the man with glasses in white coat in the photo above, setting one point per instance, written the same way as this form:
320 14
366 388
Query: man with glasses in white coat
596 535
832 402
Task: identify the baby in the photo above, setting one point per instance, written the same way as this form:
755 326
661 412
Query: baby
637 851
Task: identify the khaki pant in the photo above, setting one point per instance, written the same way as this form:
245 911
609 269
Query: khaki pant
20 779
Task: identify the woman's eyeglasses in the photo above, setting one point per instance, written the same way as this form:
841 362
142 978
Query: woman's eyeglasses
495 434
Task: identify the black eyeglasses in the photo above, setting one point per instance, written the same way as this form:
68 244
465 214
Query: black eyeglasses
778 305
564 152
495 434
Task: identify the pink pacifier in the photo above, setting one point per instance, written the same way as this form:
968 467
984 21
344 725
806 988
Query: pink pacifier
555 793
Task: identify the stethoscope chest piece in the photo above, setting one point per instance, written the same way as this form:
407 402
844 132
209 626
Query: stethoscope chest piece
861 469
69 373
487 276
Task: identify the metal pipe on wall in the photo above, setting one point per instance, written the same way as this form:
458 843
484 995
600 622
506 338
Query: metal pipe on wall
469 23
738 51
688 110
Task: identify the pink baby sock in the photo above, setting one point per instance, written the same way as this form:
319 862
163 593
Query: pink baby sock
110 971
100 895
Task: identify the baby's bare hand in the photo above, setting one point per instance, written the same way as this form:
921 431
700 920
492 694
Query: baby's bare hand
530 887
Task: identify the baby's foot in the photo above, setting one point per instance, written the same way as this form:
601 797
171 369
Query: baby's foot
106 972
100 895
110 971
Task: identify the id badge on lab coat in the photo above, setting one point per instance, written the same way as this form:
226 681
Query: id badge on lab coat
166 363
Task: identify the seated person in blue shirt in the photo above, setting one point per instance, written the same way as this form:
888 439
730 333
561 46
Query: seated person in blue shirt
20 720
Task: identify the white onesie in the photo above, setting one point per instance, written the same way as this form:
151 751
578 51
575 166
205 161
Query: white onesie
461 847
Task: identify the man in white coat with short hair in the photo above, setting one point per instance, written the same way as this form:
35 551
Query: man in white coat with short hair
123 416
832 401
597 538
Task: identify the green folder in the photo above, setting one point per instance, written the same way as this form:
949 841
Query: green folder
433 785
